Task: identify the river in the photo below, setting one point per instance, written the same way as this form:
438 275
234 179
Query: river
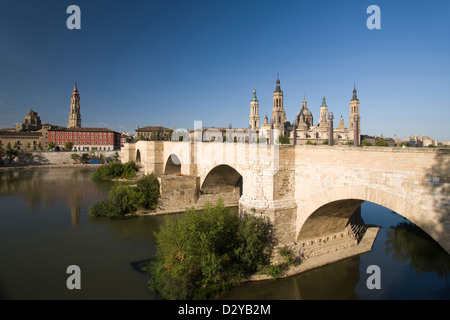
45 228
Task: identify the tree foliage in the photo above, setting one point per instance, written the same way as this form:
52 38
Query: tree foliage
125 199
381 143
282 139
115 170
202 254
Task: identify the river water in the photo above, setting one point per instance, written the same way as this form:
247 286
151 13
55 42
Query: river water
45 228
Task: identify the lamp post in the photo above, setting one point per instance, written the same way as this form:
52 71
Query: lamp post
330 127
356 131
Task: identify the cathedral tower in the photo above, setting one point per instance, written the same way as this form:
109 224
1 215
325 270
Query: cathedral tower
75 114
323 121
254 112
278 114
354 110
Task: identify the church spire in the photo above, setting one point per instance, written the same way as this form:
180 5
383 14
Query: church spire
354 93
278 88
254 95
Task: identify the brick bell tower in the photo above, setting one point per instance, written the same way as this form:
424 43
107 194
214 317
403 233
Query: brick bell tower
75 114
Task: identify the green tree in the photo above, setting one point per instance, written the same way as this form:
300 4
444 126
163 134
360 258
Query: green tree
284 139
84 158
8 146
325 141
75 157
202 254
28 145
2 154
51 145
381 143
69 145
148 191
40 146
365 143
125 199
309 142
11 154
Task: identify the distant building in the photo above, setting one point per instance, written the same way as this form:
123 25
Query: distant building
27 136
22 140
33 135
126 137
153 133
86 139
31 122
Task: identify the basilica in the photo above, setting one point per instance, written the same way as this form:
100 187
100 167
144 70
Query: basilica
303 130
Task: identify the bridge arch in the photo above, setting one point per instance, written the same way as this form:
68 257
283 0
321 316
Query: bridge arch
343 202
173 165
222 179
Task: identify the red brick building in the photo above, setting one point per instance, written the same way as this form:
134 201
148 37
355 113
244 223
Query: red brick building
85 139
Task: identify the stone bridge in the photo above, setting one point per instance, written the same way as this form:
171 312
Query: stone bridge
311 193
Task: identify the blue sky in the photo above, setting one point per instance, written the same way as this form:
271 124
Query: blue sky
173 62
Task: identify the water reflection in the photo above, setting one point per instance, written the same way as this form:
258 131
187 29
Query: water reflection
406 242
50 185
45 224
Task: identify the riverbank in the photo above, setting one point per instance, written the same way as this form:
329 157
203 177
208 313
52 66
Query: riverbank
159 212
318 261
48 166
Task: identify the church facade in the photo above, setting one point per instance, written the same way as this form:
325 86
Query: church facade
303 130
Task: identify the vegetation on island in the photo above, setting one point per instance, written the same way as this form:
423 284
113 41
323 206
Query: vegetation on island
201 254
115 170
126 199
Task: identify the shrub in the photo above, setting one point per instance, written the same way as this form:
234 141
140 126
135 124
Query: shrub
148 188
115 170
282 139
381 143
202 254
129 170
125 199
75 157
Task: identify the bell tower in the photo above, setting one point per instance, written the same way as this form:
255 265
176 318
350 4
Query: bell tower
75 114
254 112
354 111
278 114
